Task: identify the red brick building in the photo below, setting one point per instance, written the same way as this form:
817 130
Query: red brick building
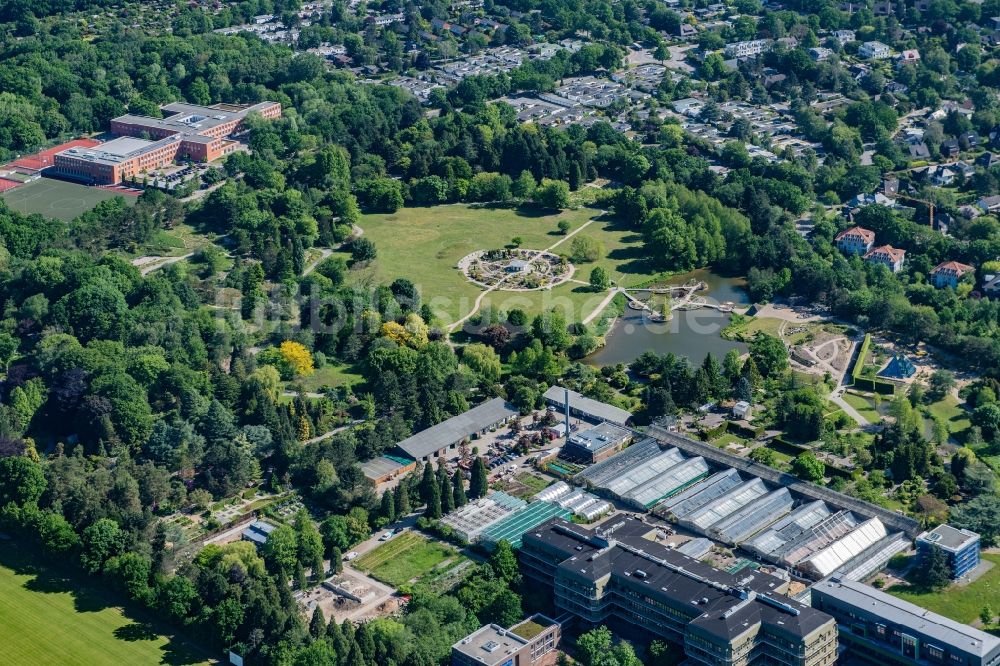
188 131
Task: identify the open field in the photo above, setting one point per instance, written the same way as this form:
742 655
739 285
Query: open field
425 244
960 603
57 198
953 414
407 557
50 618
332 375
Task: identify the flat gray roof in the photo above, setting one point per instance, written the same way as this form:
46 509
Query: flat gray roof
897 611
599 437
949 538
116 150
490 645
376 468
593 408
457 428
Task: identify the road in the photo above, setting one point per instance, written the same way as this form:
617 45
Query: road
479 300
331 433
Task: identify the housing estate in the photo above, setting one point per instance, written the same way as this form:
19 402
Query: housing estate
189 131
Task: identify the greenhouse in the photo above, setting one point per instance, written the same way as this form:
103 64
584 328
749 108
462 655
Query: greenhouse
554 492
819 536
753 517
676 478
695 548
824 562
470 520
874 558
724 506
699 494
644 465
788 528
638 454
594 511
515 525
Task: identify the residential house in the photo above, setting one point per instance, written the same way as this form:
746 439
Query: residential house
819 53
844 36
989 204
686 30
940 176
991 285
748 49
950 273
888 256
918 150
855 240
988 160
874 51
950 148
909 56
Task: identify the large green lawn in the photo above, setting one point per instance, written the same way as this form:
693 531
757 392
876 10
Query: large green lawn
48 618
960 603
425 245
953 414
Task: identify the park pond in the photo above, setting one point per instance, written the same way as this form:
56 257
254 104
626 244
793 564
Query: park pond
691 333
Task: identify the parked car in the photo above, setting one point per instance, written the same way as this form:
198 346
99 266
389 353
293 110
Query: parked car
388 535
351 556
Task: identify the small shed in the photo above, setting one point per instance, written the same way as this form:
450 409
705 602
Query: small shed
743 410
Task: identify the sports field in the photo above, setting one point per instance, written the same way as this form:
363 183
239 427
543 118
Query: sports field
57 198
425 245
47 618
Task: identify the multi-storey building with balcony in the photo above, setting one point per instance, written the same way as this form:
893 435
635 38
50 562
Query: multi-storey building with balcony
615 576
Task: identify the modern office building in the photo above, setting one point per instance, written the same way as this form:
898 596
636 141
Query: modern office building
882 629
961 547
533 642
189 131
617 577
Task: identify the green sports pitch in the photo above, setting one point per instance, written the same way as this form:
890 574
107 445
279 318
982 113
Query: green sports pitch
57 198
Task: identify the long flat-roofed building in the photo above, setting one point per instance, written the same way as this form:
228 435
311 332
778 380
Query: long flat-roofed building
189 131
616 576
584 407
439 439
882 629
533 642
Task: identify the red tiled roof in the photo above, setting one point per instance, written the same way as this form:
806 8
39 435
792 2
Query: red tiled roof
952 268
886 253
866 234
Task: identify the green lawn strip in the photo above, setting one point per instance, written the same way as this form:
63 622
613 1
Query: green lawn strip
864 406
51 616
400 563
961 603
